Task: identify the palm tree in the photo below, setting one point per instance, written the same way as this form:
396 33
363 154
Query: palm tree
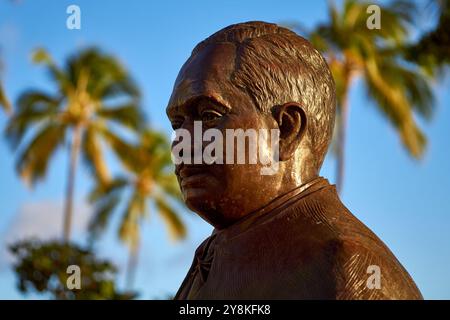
94 95
150 178
397 88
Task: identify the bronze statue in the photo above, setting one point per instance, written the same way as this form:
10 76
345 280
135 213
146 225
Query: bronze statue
284 235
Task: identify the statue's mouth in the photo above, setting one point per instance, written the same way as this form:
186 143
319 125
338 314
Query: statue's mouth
191 175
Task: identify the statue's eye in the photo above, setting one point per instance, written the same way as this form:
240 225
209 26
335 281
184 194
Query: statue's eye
210 115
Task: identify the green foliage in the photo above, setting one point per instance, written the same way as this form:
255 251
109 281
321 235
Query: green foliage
42 267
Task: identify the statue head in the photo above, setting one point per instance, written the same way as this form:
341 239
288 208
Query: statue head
252 76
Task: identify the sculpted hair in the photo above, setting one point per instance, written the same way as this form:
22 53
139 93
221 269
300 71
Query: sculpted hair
275 65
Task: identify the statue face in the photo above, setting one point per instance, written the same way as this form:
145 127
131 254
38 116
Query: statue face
220 193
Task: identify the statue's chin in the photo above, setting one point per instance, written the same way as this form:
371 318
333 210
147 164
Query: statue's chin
199 201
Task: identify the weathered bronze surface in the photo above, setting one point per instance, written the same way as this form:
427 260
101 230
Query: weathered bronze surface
285 235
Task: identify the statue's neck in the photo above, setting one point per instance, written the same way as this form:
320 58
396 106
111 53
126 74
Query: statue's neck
275 206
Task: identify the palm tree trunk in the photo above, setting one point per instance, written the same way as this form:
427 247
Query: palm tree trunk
68 206
131 267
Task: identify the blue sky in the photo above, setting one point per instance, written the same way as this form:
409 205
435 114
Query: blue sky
405 202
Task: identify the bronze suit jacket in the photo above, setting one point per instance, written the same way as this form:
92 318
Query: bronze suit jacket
303 245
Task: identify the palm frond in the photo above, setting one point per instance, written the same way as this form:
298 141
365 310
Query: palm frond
128 115
102 191
41 56
93 156
33 108
174 224
34 160
103 211
108 78
131 220
125 151
4 102
393 102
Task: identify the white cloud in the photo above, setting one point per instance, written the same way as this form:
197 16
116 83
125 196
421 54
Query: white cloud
42 220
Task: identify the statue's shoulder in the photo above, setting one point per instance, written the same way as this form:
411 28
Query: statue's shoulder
365 269
363 266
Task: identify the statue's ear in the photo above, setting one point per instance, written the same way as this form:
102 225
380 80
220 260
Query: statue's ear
291 120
